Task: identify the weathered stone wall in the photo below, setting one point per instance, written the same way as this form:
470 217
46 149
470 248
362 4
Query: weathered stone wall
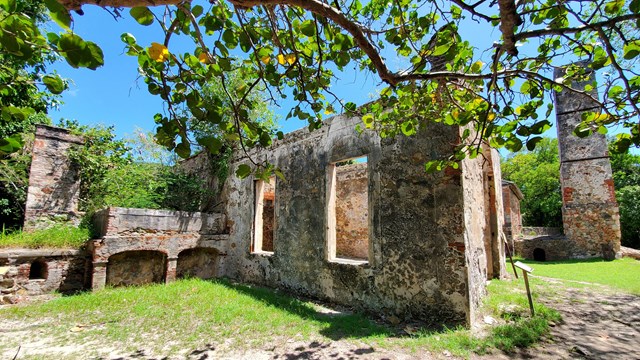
427 247
474 209
162 231
199 262
66 271
494 213
54 183
352 211
511 197
554 247
136 268
589 209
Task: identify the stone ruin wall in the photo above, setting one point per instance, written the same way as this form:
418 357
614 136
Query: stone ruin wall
512 214
140 246
29 272
54 184
590 212
426 255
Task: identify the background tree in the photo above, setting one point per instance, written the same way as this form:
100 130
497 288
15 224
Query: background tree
537 174
626 177
22 105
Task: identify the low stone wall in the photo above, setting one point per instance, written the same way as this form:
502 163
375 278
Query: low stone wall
139 246
541 231
548 248
28 272
116 221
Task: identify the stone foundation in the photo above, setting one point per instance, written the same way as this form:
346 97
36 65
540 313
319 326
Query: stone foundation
27 272
139 246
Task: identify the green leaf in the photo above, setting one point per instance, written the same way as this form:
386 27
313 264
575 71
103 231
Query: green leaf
230 39
128 39
142 15
10 144
80 53
197 10
531 143
59 14
350 107
54 83
613 7
8 5
183 149
408 128
211 143
368 121
632 49
243 171
308 28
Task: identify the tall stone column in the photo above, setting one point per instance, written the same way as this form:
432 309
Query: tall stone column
54 184
590 212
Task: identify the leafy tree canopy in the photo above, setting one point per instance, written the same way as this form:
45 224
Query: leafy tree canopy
297 47
537 174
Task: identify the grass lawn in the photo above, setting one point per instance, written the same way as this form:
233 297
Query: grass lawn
623 274
61 236
187 314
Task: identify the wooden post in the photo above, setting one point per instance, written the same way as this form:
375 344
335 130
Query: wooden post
525 270
526 284
515 272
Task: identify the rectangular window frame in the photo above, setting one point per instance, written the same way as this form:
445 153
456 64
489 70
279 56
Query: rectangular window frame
258 213
331 221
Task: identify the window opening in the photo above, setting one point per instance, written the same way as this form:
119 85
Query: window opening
348 211
38 270
264 221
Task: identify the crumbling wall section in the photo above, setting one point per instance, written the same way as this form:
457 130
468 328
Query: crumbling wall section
54 183
65 271
127 233
420 250
590 212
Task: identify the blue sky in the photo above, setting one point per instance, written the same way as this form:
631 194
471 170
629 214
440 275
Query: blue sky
114 95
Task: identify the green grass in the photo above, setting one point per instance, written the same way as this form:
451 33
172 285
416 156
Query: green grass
190 313
60 236
623 274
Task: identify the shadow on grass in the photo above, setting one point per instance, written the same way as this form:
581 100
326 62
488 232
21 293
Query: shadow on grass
339 325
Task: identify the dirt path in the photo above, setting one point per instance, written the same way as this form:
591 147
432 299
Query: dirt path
598 323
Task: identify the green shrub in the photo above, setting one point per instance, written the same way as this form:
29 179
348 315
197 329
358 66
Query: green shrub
629 200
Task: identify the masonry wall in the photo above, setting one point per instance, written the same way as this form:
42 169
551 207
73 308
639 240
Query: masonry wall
589 209
139 246
65 271
426 235
513 214
54 183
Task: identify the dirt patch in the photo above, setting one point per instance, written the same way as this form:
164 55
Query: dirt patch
597 323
